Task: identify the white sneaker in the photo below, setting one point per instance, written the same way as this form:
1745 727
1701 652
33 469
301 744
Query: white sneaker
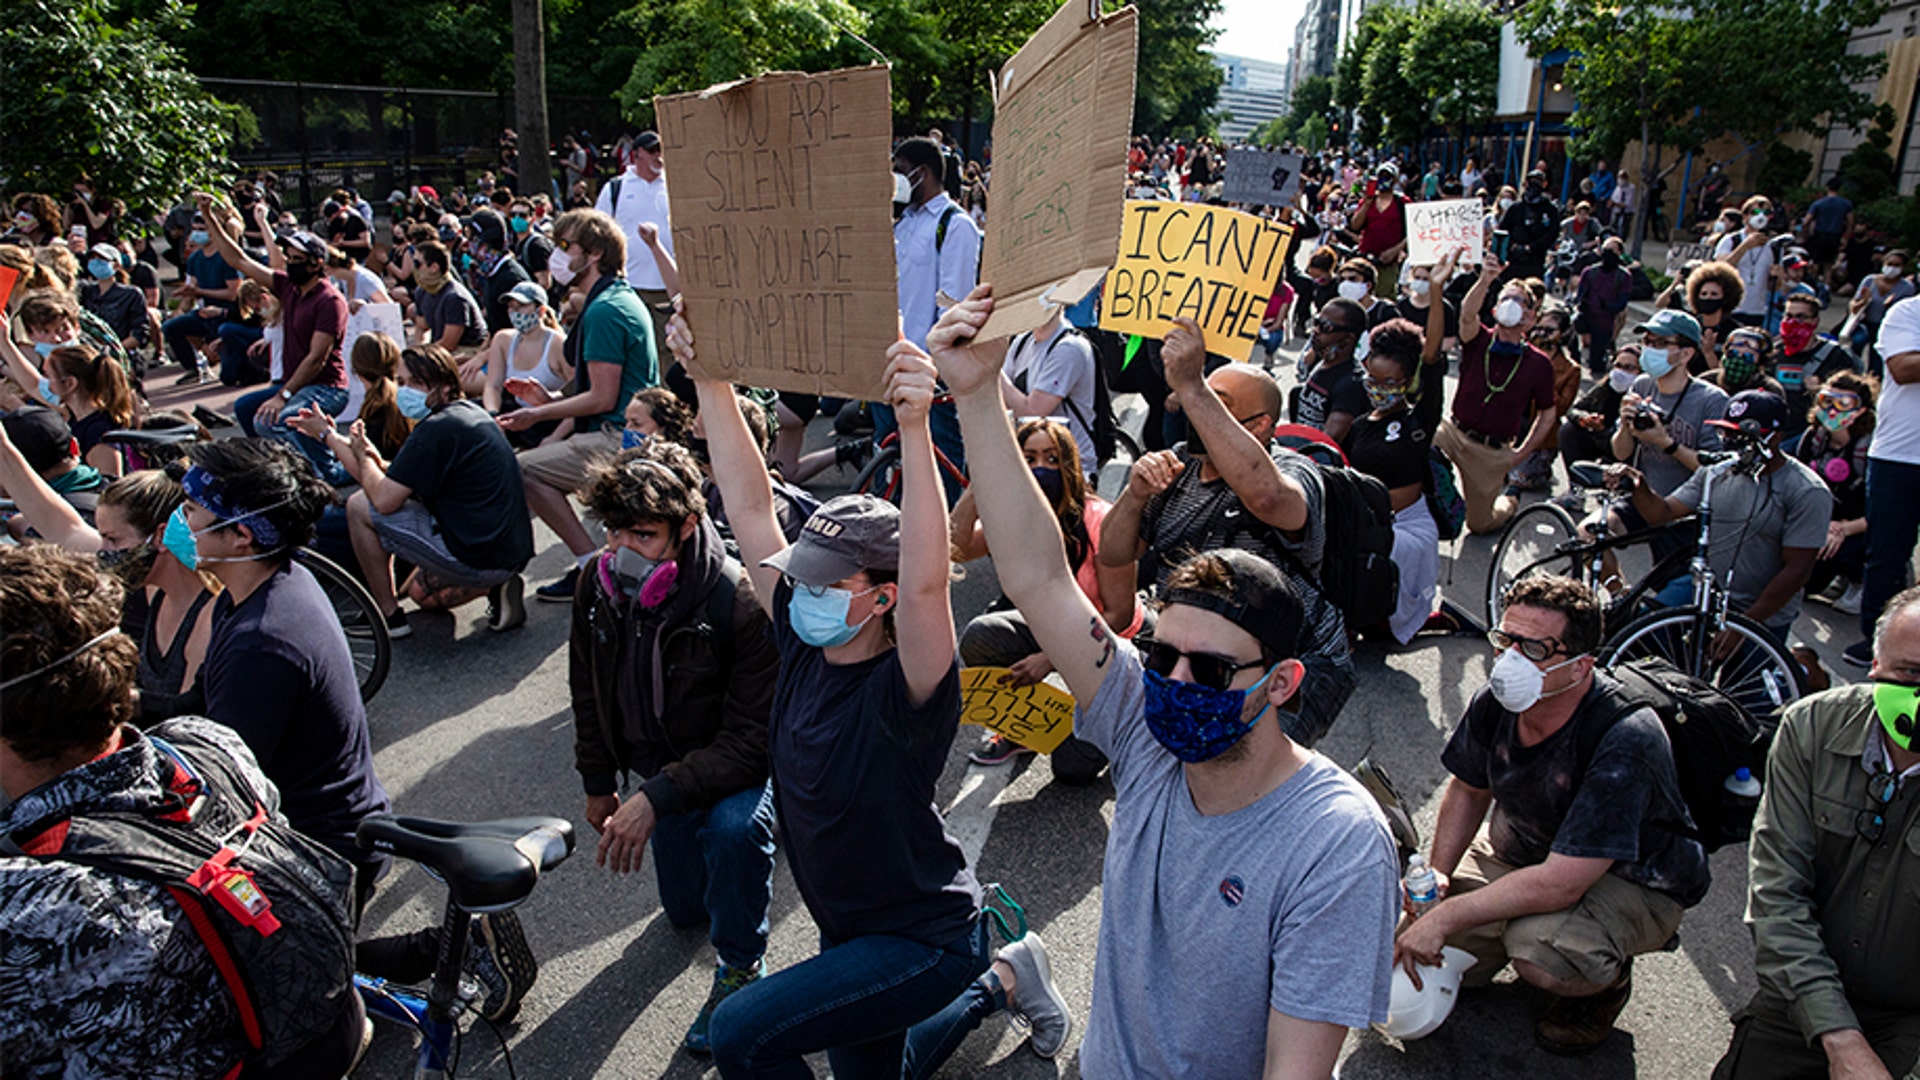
1039 1002
1849 602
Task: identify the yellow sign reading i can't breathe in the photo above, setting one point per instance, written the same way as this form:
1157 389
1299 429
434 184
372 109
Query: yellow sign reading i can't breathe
1215 266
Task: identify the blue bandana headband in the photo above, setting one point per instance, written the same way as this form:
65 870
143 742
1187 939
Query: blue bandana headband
207 489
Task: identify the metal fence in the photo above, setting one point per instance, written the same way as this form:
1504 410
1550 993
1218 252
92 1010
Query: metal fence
319 136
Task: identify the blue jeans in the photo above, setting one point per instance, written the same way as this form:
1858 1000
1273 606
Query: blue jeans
1893 528
879 1006
235 370
328 399
176 332
716 865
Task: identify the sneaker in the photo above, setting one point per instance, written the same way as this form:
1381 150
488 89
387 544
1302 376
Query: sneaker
1849 601
498 956
507 604
996 749
1832 592
397 627
853 453
196 377
561 591
208 418
1039 1004
726 980
1575 1026
1859 654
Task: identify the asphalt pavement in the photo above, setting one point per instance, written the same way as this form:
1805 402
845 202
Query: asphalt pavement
476 725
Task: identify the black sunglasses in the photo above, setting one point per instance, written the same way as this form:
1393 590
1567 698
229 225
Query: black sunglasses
1534 649
1871 823
1209 669
1332 327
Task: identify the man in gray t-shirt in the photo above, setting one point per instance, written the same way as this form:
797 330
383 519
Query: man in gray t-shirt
1768 524
1686 411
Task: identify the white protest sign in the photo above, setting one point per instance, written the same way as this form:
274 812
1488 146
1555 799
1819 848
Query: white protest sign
370 319
1435 228
1678 255
1261 177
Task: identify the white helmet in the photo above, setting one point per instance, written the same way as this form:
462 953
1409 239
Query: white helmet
1414 1014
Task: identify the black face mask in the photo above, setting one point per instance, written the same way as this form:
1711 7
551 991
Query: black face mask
301 273
1707 305
1610 260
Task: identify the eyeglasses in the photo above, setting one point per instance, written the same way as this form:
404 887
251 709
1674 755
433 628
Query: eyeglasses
1660 341
1209 669
1534 649
1871 823
1331 327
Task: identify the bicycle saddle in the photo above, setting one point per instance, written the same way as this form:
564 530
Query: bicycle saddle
174 436
487 865
1588 474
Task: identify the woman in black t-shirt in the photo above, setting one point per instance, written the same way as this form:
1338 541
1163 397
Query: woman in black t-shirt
94 393
1393 446
864 715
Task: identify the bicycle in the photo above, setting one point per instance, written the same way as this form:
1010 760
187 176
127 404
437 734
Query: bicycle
488 866
1544 537
1758 673
881 475
370 645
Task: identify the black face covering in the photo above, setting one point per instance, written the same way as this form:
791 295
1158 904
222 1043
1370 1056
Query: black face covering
1610 260
302 273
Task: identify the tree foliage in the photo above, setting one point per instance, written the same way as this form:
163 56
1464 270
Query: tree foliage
91 90
1406 69
1396 106
1176 81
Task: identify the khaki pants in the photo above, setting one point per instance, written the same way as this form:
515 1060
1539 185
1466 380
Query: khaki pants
1483 475
1589 942
563 465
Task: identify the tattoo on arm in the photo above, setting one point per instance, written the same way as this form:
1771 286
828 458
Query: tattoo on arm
1098 631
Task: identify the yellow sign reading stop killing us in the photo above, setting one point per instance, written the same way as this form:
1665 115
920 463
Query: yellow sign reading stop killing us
1038 716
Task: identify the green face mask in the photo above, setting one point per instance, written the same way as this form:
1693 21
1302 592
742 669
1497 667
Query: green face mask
1897 704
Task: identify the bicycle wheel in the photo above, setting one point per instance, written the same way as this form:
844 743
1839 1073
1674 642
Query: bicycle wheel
876 478
1531 544
354 607
1760 675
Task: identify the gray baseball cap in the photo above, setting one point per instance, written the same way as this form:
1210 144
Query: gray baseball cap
848 534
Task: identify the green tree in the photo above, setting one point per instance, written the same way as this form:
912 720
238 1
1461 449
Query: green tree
1313 134
1674 79
89 90
1869 169
1452 61
696 43
1176 82
1312 98
1349 83
429 43
1399 108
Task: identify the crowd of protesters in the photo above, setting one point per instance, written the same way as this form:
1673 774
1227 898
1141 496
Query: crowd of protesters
752 670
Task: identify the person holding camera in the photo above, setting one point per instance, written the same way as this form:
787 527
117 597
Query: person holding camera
1665 421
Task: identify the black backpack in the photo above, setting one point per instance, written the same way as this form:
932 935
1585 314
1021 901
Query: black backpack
1100 426
273 909
1357 571
1712 738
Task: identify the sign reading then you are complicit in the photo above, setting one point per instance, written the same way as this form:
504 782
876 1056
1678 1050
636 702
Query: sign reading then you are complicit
779 194
1215 266
1062 108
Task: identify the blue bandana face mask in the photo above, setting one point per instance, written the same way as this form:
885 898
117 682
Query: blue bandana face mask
630 439
1198 723
819 616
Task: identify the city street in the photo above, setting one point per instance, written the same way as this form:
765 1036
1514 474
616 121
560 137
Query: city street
474 725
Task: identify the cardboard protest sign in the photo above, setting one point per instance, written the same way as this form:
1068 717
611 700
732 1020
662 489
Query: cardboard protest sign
1216 266
1262 177
782 229
1062 107
1038 717
1678 255
1443 225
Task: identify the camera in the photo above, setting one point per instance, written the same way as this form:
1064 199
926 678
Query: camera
1648 415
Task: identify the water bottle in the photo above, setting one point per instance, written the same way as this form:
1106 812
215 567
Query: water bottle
1423 889
1743 784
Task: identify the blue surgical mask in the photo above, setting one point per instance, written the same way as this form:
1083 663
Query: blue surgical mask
1050 482
46 392
629 438
412 402
1197 723
1655 361
198 237
101 269
819 616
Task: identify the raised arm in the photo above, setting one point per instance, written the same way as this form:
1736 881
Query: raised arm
662 258
1016 514
225 245
51 516
738 470
1245 464
924 619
